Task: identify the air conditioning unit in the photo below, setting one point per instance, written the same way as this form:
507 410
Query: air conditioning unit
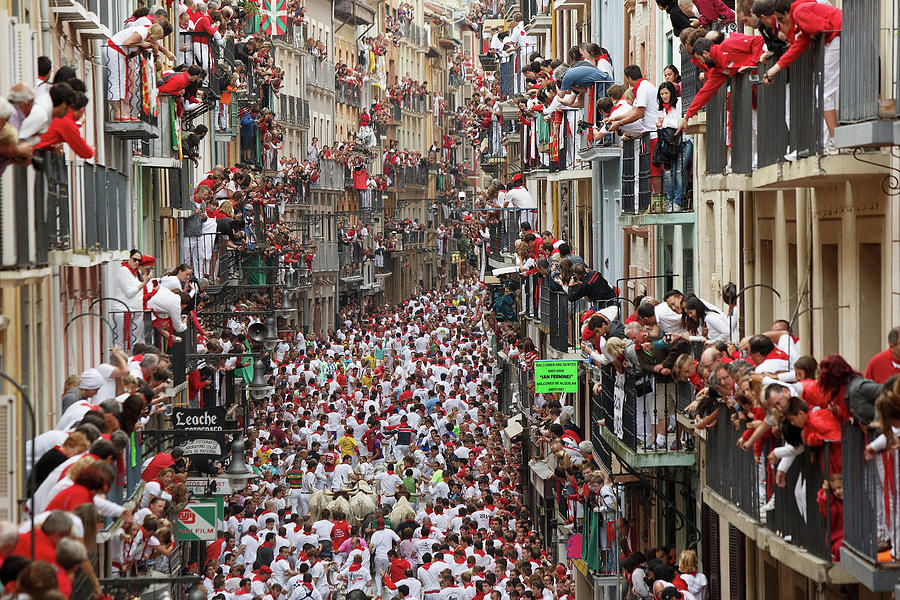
9 445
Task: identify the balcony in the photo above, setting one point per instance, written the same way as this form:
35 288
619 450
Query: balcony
371 200
159 152
319 73
294 35
128 81
81 18
632 406
796 531
331 176
536 14
504 226
326 258
353 12
416 104
412 33
347 93
870 95
293 110
864 491
39 220
410 175
783 150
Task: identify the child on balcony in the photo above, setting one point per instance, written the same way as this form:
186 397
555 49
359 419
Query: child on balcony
832 508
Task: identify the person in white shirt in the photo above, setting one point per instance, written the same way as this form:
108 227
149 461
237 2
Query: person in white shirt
357 577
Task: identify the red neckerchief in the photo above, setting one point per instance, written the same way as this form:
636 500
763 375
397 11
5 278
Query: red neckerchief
776 354
127 263
355 567
606 57
636 85
667 107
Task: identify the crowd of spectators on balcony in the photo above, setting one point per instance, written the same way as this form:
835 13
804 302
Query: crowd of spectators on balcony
778 22
354 76
317 49
43 117
406 91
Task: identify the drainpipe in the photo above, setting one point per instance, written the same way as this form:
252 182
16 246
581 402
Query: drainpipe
59 373
46 38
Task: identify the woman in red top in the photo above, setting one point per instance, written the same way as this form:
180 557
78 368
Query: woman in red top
67 129
92 480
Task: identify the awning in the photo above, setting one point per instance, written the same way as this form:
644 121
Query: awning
540 477
513 428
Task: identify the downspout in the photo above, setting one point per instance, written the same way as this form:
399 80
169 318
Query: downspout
46 38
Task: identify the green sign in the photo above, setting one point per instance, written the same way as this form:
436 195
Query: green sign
197 521
556 376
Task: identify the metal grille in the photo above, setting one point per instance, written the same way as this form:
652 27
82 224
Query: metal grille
806 77
859 78
715 132
772 132
628 203
742 139
690 80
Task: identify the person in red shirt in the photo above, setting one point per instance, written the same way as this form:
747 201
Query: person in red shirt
736 53
173 84
340 532
93 480
802 20
885 364
67 129
55 527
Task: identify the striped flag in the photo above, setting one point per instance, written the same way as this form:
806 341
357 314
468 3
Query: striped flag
273 17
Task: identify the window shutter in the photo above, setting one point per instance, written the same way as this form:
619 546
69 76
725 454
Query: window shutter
710 545
737 564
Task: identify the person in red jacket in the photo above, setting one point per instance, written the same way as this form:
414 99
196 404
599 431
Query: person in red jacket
802 20
732 55
174 84
819 426
67 129
833 510
885 364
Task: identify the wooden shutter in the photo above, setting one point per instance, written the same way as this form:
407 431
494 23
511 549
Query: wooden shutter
710 546
737 564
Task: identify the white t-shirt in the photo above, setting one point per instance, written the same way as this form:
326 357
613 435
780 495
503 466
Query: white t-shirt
646 98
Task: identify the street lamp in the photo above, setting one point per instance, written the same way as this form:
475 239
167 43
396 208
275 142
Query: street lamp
271 340
286 310
238 473
258 388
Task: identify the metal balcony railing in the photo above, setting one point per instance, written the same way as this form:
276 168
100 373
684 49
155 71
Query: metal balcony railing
326 258
347 93
800 131
870 510
415 103
637 406
129 80
410 175
636 174
204 50
797 515
371 200
319 73
588 114
39 219
331 176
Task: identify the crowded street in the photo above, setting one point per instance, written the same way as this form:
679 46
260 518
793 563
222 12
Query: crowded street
449 300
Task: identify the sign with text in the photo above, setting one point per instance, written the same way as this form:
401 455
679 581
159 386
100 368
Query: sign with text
197 521
199 486
202 431
556 376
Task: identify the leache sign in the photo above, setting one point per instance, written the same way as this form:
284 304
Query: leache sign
556 376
